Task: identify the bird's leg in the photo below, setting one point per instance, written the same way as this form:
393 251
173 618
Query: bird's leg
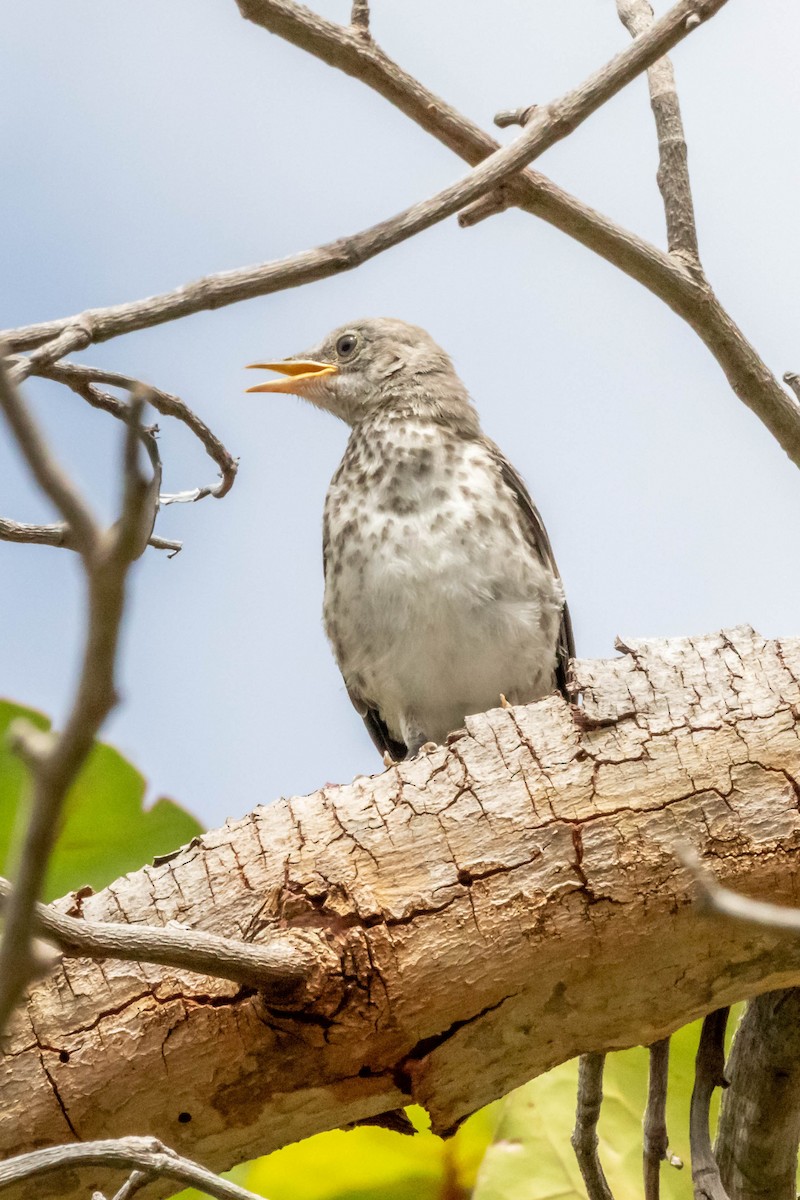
413 736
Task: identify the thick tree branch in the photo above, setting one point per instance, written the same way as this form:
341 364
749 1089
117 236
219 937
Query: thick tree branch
145 1154
462 910
673 166
759 1125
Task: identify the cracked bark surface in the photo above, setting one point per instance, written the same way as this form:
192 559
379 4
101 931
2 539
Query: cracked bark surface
479 915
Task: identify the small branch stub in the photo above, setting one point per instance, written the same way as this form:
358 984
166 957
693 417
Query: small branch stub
514 116
359 17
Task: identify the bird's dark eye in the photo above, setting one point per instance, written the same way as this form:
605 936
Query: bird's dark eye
346 345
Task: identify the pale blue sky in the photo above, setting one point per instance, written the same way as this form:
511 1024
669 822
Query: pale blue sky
148 143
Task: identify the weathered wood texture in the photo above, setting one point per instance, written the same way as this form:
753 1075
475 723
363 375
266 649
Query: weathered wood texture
484 912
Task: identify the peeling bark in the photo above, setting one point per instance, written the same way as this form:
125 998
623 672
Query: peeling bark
479 915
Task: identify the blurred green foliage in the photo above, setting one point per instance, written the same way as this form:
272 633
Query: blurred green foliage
516 1149
105 831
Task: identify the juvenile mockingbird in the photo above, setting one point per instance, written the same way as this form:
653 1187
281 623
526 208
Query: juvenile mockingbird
442 596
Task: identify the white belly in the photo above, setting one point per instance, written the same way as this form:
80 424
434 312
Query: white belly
434 613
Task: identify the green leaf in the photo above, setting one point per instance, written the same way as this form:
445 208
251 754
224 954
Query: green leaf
372 1164
105 830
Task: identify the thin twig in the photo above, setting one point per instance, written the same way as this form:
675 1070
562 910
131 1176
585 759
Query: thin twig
667 277
54 482
718 899
58 535
73 336
673 167
359 17
279 967
133 1184
81 378
55 759
551 124
655 1148
709 1074
584 1136
141 1153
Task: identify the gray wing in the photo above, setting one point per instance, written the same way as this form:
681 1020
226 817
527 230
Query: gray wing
536 535
374 722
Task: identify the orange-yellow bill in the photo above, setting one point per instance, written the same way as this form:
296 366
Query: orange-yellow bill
297 370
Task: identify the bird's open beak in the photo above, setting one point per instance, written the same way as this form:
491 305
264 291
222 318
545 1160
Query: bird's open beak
299 371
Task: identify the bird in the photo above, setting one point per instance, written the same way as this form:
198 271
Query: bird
442 595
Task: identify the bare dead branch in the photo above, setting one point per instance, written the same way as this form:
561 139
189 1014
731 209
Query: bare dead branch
759 1124
58 535
513 116
550 124
709 1074
54 759
144 1154
81 378
673 167
133 1184
48 474
140 491
663 275
74 335
281 968
718 899
359 17
584 1136
793 381
656 1142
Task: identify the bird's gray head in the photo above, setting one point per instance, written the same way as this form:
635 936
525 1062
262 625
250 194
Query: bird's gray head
376 364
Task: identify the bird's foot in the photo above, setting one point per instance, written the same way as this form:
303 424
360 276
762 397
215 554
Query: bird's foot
388 761
503 702
418 746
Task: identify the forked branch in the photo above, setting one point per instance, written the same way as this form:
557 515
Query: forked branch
146 1156
551 123
666 276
